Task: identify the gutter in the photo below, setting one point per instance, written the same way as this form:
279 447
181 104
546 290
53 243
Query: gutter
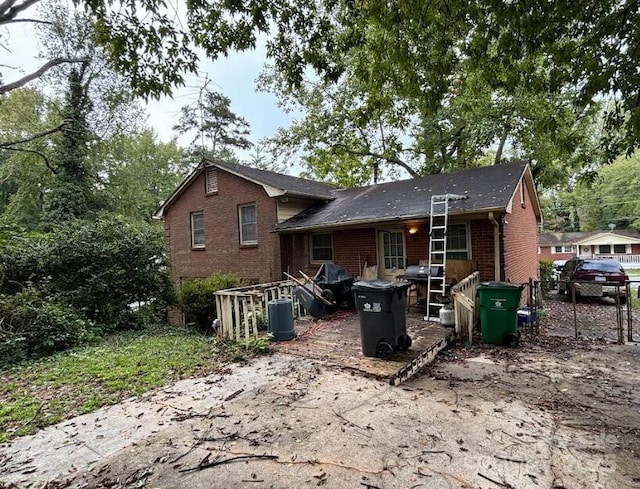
496 246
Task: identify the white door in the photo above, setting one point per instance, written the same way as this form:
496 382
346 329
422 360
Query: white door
391 253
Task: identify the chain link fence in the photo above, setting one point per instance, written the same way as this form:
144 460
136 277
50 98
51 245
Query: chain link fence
589 310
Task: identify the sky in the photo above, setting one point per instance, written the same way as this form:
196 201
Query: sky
233 76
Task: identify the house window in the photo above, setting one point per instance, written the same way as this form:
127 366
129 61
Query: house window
563 249
457 242
604 249
211 181
393 242
197 230
620 249
321 248
248 224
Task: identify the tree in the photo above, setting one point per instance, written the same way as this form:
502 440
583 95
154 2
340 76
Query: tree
139 172
613 198
215 125
413 48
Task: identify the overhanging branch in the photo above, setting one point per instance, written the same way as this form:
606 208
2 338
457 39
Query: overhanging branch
38 73
38 153
11 144
10 8
390 159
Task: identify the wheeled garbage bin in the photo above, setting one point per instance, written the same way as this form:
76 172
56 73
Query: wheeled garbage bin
499 304
382 308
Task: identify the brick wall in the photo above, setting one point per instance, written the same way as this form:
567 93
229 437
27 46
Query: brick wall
520 248
545 254
482 247
222 252
352 248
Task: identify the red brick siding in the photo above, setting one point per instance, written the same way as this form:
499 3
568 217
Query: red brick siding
352 248
417 244
635 249
545 254
520 240
482 248
223 252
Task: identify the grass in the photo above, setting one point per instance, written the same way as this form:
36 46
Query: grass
47 391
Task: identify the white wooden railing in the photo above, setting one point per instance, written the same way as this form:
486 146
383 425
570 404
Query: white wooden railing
242 309
628 261
464 305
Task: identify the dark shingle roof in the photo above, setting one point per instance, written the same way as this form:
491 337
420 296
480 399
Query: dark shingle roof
555 239
487 188
290 185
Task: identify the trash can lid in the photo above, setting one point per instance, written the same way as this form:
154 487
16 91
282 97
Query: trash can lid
497 284
380 285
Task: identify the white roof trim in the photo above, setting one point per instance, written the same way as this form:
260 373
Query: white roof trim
607 238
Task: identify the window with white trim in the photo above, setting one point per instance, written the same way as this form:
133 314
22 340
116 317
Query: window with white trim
457 242
321 245
211 181
197 230
607 249
248 218
563 249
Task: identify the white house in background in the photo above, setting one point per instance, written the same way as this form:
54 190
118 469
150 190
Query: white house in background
621 244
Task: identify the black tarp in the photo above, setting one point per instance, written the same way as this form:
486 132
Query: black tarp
336 282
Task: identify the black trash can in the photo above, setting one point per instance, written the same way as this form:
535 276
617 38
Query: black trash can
382 309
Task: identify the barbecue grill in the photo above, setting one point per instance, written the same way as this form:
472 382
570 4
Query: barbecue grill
419 275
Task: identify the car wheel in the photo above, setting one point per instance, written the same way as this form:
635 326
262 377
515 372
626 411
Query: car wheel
623 300
561 291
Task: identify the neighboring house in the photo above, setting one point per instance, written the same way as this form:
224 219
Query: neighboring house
232 218
621 244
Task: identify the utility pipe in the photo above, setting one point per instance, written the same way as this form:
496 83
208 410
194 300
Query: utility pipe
496 246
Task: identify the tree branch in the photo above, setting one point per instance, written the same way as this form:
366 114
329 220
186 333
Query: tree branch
30 21
59 127
38 153
38 73
395 161
9 9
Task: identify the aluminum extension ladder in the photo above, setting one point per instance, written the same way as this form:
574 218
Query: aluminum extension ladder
438 222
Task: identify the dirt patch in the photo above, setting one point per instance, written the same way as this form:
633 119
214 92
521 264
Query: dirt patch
552 413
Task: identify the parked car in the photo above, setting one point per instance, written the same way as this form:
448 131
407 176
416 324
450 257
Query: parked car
593 277
558 265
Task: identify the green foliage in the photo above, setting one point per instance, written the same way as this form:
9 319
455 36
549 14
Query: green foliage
108 264
196 300
101 267
44 392
546 275
213 121
32 326
613 197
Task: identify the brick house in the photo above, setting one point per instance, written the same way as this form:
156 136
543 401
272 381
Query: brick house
231 218
621 244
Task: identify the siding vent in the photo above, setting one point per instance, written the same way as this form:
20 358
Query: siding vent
212 181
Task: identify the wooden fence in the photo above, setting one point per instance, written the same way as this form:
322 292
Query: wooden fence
243 309
464 304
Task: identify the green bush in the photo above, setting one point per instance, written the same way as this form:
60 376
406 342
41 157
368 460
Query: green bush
546 276
101 267
196 299
33 326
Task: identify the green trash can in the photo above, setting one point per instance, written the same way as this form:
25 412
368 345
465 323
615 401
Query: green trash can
382 309
499 304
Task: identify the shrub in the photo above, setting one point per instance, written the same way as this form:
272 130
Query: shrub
546 276
33 326
196 298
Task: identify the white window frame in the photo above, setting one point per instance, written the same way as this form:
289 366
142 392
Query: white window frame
557 249
466 250
312 248
241 224
612 250
211 181
198 238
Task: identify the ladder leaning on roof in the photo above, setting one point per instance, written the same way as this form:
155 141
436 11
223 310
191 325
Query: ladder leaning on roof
438 222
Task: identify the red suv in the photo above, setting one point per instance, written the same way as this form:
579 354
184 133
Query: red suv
593 277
